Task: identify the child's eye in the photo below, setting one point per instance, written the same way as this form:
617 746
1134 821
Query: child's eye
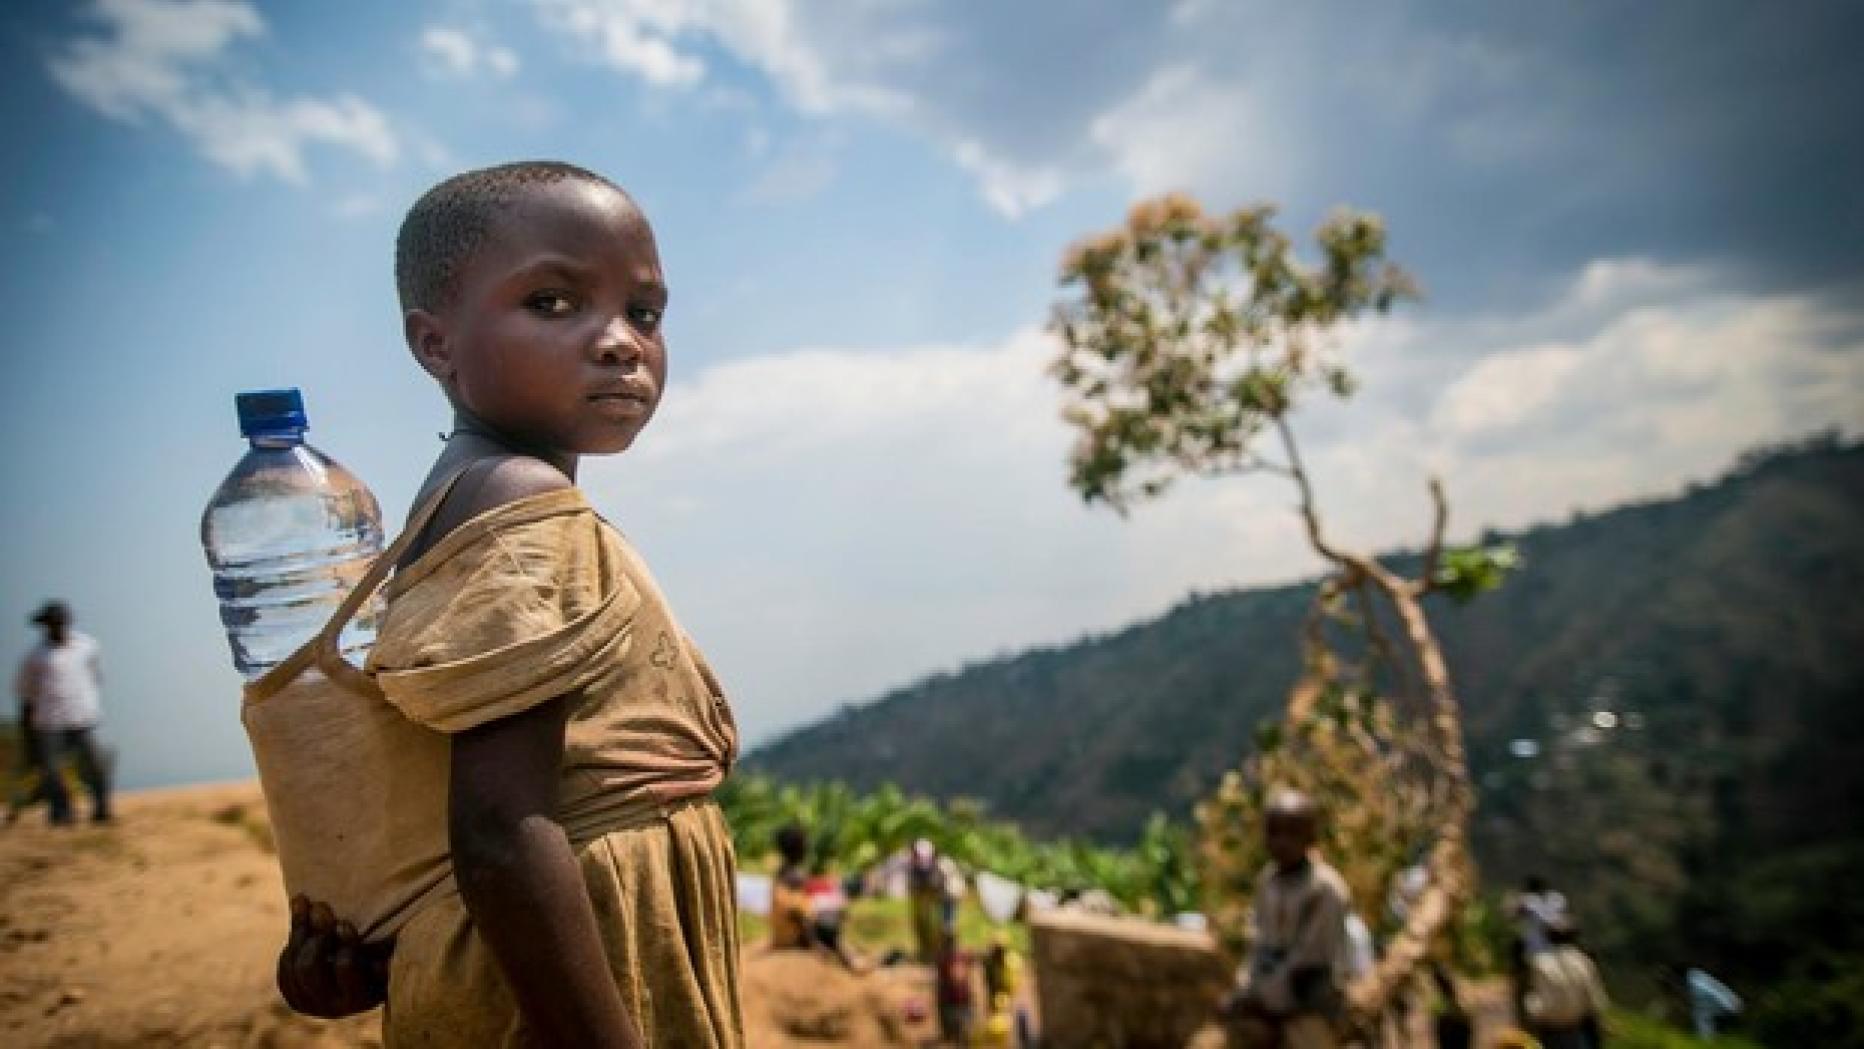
550 304
646 316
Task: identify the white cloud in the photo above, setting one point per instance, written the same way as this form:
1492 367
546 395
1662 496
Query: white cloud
356 205
1613 390
1503 389
842 520
502 62
1704 374
821 63
448 52
632 37
163 59
796 173
1010 189
1182 130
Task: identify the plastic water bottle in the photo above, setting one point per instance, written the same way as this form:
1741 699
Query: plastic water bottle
288 534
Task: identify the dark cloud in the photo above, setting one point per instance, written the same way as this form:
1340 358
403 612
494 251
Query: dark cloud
1508 143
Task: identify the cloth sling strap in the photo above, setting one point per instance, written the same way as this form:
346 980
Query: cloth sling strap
325 650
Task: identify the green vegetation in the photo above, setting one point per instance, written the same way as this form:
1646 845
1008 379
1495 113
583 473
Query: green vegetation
853 832
1629 1030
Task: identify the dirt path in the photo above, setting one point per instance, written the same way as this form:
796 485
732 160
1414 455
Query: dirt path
161 930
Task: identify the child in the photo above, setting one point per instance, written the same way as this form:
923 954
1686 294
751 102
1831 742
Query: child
828 910
792 921
1295 978
952 985
595 902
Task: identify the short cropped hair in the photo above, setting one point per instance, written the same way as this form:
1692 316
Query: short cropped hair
454 219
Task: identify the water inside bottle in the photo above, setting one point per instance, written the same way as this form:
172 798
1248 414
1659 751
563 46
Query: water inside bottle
288 535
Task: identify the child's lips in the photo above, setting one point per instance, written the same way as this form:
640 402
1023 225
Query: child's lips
625 400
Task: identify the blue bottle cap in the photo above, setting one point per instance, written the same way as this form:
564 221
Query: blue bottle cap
271 413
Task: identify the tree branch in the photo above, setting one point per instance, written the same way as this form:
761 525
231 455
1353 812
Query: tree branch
1379 645
1433 553
1310 514
1243 467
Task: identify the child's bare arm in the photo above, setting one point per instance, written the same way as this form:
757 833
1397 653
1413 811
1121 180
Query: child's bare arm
521 883
516 871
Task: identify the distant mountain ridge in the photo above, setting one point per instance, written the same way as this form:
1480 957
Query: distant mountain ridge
1750 585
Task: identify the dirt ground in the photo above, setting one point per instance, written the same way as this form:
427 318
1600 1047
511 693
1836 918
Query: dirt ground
161 930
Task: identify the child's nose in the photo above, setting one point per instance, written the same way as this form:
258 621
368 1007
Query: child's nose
616 341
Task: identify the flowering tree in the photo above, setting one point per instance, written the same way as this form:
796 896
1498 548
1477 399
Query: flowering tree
1189 340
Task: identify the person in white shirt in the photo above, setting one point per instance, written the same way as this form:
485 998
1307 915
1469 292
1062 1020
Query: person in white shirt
59 688
1535 909
1565 1001
1292 988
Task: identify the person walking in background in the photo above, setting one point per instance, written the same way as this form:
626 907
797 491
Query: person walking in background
1535 910
934 885
60 687
1565 1003
1709 1000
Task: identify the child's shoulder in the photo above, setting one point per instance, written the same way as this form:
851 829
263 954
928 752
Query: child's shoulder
483 485
1328 879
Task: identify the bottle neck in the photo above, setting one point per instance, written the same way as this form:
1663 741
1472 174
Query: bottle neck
276 439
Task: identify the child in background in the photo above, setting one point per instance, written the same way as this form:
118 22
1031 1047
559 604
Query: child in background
595 903
828 911
791 920
952 981
1005 1022
1294 981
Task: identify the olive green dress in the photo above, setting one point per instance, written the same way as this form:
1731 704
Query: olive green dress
530 601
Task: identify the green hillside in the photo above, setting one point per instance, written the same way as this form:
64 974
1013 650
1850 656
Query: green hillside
1720 629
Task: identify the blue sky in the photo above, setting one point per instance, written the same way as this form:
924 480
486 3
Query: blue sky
1639 226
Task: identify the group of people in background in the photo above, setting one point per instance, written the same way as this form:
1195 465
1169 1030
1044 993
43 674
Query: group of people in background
808 909
1291 991
59 687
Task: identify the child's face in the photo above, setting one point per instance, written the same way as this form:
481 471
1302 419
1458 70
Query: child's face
1288 838
553 337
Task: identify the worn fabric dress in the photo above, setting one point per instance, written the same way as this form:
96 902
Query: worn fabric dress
530 601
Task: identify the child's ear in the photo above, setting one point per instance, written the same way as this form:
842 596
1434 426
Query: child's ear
427 340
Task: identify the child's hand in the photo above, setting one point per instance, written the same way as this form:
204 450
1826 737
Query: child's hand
325 969
1239 1002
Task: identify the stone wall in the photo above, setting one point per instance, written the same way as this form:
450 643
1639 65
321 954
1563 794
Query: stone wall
1123 983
